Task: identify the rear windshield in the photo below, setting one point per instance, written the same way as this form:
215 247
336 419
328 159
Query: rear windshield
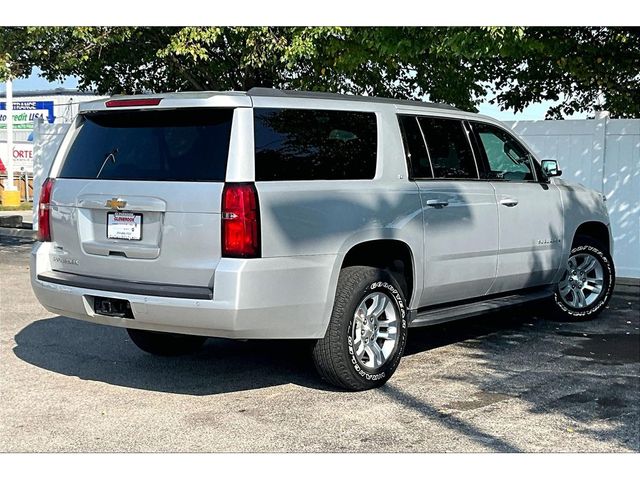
163 145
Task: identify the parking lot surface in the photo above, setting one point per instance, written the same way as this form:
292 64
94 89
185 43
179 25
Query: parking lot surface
510 382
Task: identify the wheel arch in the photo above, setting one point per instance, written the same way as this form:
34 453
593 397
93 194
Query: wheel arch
596 230
361 248
392 254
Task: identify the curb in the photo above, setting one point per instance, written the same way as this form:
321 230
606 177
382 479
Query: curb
18 232
628 281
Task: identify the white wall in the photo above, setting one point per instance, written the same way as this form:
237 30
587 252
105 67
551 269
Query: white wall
602 154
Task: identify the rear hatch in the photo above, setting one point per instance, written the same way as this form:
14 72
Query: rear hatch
138 196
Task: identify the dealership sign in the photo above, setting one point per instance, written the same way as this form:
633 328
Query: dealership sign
22 157
25 113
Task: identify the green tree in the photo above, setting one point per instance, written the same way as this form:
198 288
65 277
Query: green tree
583 68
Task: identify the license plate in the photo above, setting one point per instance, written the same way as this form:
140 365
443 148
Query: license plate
124 226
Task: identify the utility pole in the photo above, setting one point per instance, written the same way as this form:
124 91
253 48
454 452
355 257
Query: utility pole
10 194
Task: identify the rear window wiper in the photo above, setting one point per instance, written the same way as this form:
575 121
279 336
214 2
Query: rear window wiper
111 155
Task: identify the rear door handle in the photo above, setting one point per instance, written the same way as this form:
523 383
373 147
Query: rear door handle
509 202
437 203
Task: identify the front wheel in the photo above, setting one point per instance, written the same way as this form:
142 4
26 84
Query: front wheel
165 344
587 282
367 332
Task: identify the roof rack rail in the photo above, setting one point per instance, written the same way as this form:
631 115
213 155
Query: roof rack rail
274 92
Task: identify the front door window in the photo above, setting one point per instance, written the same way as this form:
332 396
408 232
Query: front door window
506 158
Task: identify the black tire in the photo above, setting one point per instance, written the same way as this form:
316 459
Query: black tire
333 355
165 344
564 311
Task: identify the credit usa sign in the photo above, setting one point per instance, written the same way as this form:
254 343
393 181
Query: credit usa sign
22 157
24 114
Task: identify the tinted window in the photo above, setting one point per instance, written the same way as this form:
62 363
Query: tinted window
506 158
414 147
314 144
169 145
449 148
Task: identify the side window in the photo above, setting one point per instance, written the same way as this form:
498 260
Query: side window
414 147
449 148
297 144
506 158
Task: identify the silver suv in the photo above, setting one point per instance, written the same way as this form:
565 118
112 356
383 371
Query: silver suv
293 215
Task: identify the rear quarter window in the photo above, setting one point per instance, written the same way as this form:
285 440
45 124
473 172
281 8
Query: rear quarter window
297 144
153 145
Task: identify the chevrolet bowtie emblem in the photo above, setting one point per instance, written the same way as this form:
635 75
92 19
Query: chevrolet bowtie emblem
116 203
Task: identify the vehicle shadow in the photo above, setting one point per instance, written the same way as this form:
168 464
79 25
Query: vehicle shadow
106 354
428 338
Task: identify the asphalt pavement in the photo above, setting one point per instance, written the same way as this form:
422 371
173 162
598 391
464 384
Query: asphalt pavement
517 381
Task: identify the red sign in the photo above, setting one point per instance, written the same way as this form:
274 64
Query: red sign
22 157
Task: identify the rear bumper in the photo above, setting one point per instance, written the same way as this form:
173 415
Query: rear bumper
122 286
266 298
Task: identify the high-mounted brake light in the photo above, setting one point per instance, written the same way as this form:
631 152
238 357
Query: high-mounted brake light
133 102
240 221
44 211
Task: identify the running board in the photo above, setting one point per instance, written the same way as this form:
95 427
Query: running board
433 316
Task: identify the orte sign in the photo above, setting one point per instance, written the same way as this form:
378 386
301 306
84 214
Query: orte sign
22 157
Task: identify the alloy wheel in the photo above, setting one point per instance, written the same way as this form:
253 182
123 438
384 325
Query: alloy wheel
582 282
374 330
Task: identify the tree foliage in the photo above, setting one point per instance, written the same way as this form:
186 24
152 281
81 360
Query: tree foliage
582 68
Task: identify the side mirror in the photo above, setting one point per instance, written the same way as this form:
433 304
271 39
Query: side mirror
550 168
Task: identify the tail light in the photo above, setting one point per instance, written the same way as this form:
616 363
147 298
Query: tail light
240 221
44 212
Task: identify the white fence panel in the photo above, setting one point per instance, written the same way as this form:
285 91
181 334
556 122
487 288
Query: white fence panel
621 185
602 154
571 142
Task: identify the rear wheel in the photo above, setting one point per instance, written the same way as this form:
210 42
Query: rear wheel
367 332
587 282
165 344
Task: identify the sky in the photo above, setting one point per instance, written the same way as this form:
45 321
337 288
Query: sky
533 112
